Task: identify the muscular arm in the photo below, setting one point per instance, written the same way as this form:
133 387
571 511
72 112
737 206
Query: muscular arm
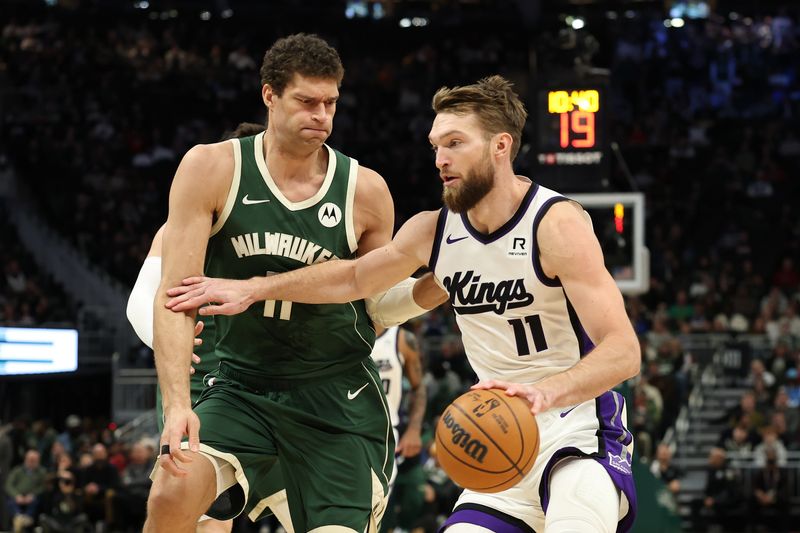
191 211
570 251
411 442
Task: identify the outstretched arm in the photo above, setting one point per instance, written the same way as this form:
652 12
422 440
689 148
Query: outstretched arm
570 251
338 281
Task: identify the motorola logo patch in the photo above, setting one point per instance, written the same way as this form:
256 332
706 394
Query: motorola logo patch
329 215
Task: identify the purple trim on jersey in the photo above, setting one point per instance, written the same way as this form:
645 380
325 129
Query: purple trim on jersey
483 519
537 263
585 344
437 240
613 438
508 226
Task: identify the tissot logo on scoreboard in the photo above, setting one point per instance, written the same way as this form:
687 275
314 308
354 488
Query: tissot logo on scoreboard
571 129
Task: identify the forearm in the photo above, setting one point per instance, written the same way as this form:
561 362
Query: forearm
173 343
427 293
329 282
337 281
416 409
615 359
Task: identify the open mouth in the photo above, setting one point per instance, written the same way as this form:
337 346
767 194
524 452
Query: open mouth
449 180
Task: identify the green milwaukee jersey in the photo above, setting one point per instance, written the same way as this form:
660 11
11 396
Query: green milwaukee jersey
261 232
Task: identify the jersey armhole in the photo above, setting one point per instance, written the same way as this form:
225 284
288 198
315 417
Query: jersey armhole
437 240
349 218
233 191
537 263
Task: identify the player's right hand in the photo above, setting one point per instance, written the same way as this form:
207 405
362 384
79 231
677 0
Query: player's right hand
178 421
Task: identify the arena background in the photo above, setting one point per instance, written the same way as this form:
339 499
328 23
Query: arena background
696 114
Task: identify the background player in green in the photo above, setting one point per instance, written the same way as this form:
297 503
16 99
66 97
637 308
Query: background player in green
295 381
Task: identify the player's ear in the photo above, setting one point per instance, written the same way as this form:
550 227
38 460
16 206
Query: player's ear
267 95
501 144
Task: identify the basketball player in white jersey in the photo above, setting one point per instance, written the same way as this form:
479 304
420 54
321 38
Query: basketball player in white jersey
540 315
396 353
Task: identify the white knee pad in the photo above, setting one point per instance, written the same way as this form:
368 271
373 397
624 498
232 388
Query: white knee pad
467 528
583 498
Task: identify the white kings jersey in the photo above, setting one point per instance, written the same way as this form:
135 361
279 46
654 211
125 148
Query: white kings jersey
389 361
516 323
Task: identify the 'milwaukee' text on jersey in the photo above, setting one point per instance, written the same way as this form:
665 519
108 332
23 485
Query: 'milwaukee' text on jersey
282 244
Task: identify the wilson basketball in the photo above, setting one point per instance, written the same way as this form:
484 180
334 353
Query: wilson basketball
487 441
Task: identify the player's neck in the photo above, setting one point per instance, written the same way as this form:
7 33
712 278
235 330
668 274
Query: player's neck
288 163
497 207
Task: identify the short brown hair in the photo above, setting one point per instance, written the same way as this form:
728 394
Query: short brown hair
494 102
301 53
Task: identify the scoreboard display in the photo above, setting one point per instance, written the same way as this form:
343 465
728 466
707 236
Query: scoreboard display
571 140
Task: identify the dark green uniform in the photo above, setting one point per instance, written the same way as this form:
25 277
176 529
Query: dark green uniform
295 380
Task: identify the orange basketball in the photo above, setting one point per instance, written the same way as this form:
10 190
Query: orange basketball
487 441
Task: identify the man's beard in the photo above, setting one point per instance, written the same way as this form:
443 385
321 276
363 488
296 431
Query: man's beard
474 186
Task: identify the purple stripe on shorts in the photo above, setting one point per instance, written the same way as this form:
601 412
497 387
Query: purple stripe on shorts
471 516
612 453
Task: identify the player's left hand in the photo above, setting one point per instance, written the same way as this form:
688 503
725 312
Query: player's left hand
229 296
539 400
410 444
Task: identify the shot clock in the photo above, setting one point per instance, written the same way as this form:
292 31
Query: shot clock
571 144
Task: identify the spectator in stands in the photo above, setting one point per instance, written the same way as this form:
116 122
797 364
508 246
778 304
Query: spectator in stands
787 276
739 442
759 374
41 437
130 501
792 387
791 415
98 481
779 362
24 486
770 498
663 469
721 504
54 455
63 507
770 445
71 434
746 407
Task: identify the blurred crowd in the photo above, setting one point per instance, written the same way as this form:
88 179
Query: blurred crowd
28 296
79 479
97 116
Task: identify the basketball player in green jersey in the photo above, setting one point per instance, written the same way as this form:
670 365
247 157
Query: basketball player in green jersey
294 381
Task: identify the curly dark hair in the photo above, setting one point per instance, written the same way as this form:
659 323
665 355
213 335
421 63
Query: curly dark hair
301 53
